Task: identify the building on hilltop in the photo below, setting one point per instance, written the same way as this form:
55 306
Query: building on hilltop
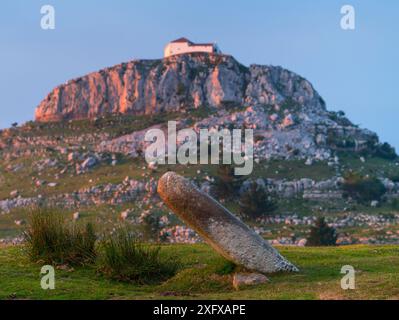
184 45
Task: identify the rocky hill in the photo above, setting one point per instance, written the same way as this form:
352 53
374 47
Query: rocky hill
289 115
153 86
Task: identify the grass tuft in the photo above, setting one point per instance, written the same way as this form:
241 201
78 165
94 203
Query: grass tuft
51 240
125 258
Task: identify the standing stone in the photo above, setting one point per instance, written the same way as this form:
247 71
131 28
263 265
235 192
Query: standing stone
221 229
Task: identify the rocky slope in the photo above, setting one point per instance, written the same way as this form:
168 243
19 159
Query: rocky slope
289 116
152 86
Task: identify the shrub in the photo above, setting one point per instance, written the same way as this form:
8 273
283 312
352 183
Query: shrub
226 184
321 234
395 204
385 151
256 202
51 240
150 226
363 188
394 178
126 259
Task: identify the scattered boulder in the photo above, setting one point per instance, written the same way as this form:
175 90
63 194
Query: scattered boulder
273 117
152 166
248 279
88 163
374 203
309 162
72 156
39 183
19 222
288 121
14 194
301 243
126 214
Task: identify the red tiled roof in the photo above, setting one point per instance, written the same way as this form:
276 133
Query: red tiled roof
182 40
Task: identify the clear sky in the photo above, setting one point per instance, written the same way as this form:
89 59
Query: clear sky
355 71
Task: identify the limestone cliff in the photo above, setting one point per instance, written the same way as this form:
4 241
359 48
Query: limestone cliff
190 80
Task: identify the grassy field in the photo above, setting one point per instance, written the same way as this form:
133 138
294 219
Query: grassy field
205 275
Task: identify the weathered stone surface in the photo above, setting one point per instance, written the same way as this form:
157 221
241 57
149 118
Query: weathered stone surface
153 86
248 279
107 193
221 229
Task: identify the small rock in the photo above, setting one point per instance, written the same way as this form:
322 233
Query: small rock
152 166
374 203
288 121
39 183
125 214
72 156
273 117
65 267
302 242
309 162
14 194
248 279
19 222
89 163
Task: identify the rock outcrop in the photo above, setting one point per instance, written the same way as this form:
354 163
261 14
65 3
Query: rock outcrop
289 116
190 80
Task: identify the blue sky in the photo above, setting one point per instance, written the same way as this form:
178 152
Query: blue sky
355 71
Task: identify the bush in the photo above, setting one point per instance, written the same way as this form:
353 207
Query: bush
385 151
395 204
150 227
340 142
321 234
256 202
126 259
364 189
226 183
51 240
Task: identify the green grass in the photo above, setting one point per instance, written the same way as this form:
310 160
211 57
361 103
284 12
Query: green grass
373 166
126 259
202 276
292 170
114 125
51 240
